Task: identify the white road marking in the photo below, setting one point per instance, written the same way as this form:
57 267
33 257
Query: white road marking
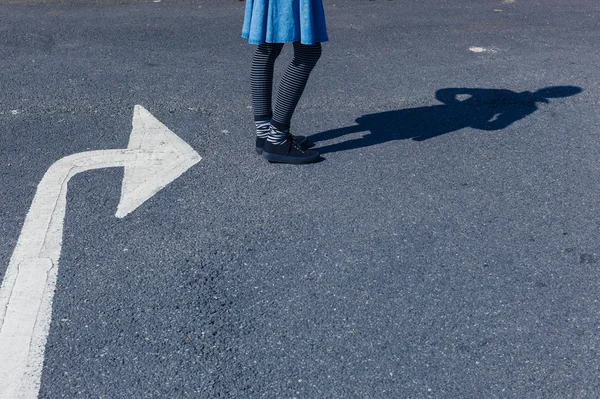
154 157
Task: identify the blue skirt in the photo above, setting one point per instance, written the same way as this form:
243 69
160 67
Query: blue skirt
284 21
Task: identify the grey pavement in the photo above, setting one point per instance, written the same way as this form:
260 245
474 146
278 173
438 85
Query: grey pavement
445 247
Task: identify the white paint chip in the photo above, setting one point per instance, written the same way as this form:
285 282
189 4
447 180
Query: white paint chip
477 49
489 50
463 97
15 112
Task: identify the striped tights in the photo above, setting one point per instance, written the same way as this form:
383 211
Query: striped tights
291 86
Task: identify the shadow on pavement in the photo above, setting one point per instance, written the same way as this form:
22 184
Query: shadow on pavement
484 109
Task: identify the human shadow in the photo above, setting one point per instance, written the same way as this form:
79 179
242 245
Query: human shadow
483 109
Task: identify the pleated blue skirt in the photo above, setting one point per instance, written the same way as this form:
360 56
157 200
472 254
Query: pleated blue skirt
284 21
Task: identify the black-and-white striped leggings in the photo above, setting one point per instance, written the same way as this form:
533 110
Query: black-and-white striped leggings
292 83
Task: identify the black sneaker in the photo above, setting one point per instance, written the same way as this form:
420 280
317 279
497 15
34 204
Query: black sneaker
289 152
302 141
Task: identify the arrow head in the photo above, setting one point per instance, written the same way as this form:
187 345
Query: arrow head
163 158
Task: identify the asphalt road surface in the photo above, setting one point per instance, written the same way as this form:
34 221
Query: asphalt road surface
446 246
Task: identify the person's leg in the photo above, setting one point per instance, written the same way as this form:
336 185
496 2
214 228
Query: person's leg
293 83
280 145
261 82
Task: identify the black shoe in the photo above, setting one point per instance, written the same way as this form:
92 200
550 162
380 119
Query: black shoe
289 152
300 140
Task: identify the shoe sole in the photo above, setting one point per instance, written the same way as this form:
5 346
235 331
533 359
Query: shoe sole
259 150
277 158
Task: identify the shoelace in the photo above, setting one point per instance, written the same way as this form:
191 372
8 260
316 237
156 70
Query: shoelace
294 142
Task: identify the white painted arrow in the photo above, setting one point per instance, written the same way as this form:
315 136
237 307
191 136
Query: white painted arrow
154 157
